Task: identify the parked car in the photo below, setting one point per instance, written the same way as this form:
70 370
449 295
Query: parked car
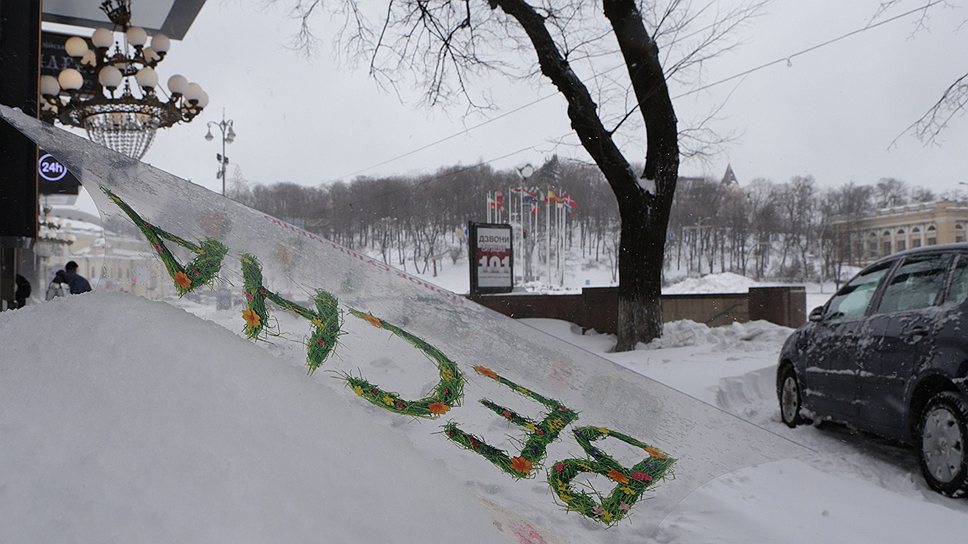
888 354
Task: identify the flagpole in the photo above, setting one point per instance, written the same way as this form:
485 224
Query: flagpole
548 235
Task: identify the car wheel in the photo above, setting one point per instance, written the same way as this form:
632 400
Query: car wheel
942 451
788 392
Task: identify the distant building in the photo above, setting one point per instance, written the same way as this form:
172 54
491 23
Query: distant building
729 178
889 230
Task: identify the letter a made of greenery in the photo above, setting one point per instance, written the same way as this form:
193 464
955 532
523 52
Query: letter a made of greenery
631 482
203 269
445 395
541 433
326 319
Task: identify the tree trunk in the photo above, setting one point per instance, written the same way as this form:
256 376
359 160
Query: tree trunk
644 214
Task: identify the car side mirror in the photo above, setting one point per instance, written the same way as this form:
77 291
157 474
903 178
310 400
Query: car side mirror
816 316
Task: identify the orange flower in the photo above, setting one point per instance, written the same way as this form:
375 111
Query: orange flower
373 320
484 371
618 476
655 452
251 318
182 280
522 465
438 408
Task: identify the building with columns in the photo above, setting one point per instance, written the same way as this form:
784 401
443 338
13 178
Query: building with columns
890 230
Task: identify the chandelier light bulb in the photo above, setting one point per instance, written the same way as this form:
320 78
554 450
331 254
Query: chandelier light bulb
109 77
150 54
49 86
89 59
147 78
193 93
75 46
177 84
70 79
136 36
102 38
203 101
230 137
160 43
208 135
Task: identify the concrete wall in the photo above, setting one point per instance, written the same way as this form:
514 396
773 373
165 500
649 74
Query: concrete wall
596 308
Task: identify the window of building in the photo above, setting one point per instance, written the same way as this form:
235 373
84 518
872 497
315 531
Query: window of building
959 233
932 236
901 245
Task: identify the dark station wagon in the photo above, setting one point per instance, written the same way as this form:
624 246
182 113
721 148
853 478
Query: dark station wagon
888 354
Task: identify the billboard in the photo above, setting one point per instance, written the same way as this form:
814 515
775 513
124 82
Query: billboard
491 258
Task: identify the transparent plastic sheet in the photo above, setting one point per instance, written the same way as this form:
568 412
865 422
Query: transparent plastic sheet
705 442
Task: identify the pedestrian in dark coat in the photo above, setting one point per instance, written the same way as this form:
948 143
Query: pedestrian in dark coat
22 293
77 283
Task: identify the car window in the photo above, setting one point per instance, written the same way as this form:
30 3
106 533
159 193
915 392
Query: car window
958 289
852 300
915 284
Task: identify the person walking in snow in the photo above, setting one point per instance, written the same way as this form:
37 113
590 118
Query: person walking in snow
57 286
77 283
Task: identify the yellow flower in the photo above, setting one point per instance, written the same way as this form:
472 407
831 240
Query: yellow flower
627 490
358 390
531 427
563 487
556 424
446 373
318 323
251 318
606 515
603 430
388 400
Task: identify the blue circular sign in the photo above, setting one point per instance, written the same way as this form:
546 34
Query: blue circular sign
49 169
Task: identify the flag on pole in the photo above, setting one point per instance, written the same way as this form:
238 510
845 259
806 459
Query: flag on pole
500 200
553 197
569 202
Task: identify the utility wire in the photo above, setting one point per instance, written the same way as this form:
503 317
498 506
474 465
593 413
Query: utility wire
744 73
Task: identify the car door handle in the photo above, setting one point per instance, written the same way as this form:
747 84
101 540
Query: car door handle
917 333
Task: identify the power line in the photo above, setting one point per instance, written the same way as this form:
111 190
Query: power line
744 73
498 117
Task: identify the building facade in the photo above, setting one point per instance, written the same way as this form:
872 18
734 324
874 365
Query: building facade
890 230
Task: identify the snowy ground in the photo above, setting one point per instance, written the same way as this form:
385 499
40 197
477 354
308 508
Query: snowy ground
853 488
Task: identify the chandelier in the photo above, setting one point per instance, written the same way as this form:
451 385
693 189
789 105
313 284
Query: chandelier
114 94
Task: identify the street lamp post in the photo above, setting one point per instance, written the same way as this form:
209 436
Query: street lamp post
228 136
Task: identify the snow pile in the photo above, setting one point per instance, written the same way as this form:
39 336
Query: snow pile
726 282
736 336
124 420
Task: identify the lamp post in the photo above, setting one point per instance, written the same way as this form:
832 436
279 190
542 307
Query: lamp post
228 136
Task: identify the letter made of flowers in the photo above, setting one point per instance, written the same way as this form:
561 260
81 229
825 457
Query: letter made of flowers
445 395
203 269
540 433
631 482
326 318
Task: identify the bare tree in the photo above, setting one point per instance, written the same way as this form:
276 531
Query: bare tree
953 100
447 44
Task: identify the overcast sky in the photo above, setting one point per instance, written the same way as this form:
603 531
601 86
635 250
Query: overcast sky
831 113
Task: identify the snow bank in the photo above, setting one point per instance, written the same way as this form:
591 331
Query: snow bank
124 420
726 282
